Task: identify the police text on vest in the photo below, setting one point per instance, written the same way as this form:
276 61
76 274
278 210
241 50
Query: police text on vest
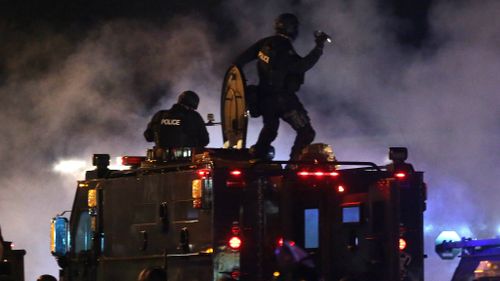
171 122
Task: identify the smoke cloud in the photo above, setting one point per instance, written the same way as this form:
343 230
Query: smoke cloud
91 95
66 97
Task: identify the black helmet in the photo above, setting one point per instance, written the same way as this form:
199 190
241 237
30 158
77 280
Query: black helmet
189 99
287 24
46 277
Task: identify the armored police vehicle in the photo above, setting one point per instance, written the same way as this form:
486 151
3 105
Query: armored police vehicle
216 214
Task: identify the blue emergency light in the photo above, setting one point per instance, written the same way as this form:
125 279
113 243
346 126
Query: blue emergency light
59 236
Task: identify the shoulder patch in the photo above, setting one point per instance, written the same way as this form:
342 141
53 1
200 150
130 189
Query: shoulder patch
263 57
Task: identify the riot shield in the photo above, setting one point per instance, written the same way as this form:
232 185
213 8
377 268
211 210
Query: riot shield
234 116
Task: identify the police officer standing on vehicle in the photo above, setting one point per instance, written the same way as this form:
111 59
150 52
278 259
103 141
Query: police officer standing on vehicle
281 73
180 126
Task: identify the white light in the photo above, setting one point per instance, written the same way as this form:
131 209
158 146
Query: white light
117 165
448 235
69 166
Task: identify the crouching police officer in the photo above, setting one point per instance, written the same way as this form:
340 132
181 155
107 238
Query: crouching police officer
281 73
180 126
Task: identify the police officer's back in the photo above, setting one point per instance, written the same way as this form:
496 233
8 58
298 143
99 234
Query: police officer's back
180 126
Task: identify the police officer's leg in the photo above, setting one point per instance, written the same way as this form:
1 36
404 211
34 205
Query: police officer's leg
300 122
268 133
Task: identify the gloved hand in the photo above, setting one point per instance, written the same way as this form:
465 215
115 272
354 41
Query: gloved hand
320 38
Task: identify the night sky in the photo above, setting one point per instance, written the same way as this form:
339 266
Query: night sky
82 77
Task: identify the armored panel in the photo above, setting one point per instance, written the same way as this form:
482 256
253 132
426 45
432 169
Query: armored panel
143 220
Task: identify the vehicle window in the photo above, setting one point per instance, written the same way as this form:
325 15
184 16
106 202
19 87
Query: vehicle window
83 239
311 228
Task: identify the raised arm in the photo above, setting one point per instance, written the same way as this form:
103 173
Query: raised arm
304 64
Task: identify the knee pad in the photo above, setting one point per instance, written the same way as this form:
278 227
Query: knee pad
297 119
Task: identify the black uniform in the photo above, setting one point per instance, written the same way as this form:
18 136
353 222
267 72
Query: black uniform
179 126
281 73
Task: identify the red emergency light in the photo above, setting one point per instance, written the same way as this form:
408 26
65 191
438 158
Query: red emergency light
281 242
400 175
235 243
235 173
235 179
132 160
203 173
340 188
318 173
